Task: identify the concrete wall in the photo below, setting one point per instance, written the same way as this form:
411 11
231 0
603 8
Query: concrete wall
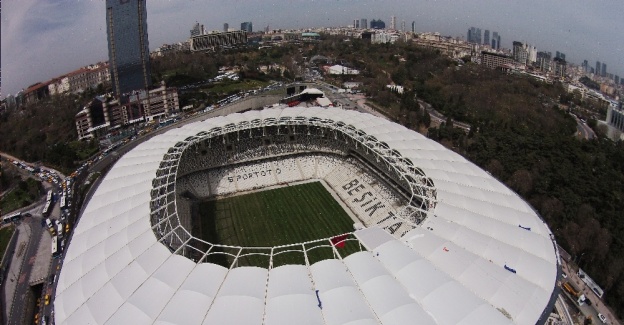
248 103
4 267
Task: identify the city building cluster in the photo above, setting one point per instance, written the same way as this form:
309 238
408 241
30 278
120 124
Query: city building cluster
134 99
202 40
77 81
128 68
106 113
474 36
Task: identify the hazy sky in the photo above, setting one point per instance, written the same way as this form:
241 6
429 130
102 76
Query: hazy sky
42 39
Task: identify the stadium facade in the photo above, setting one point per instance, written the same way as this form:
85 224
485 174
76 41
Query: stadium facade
443 241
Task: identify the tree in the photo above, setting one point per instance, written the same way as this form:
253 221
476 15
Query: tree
495 168
521 181
426 120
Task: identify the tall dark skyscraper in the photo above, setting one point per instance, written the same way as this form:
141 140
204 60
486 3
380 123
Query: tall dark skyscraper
474 35
128 47
486 37
597 71
495 41
377 24
603 72
247 26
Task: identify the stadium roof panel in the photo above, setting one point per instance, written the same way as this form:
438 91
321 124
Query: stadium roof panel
481 256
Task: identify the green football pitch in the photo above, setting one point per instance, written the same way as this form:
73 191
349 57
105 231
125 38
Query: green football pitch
283 216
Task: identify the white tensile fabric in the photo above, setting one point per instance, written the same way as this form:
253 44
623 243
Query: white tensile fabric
450 270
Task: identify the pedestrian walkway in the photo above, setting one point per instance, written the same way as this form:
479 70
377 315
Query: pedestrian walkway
41 265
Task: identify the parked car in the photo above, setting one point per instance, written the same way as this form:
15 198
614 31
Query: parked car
602 318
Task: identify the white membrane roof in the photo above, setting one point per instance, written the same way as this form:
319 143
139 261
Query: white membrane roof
455 268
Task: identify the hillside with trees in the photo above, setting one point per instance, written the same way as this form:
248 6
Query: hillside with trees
46 132
520 132
521 135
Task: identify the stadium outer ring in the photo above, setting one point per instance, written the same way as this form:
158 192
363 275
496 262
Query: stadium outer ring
482 256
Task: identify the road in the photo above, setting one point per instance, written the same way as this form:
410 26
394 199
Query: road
583 130
440 118
32 229
597 306
347 102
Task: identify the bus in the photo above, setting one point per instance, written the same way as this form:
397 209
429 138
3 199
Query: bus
570 289
165 122
55 248
47 209
12 217
63 204
49 197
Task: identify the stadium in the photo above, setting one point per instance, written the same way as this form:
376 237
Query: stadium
383 226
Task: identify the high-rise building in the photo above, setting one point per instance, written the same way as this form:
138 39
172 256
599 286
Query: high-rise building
531 53
486 37
247 27
520 53
363 23
226 26
128 47
377 24
197 30
597 71
403 26
474 35
603 72
559 68
413 27
585 65
495 60
543 61
616 78
393 23
496 41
